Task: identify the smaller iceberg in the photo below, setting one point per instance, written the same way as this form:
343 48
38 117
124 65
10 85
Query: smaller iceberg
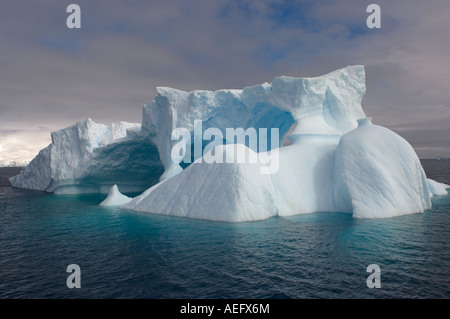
115 198
437 188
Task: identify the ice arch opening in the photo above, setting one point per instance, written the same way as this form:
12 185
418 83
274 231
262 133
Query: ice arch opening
264 116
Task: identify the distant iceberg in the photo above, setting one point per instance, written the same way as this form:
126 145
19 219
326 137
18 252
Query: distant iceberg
332 158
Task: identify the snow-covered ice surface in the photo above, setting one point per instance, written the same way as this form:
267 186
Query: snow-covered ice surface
378 174
115 198
230 192
337 161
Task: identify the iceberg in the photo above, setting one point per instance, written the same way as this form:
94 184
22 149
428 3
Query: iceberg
370 172
437 189
115 198
331 159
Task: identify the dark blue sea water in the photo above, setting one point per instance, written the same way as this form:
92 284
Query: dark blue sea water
124 254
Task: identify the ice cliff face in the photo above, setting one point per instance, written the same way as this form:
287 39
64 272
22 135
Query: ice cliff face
337 160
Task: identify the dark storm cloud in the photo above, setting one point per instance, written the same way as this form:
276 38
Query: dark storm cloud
52 76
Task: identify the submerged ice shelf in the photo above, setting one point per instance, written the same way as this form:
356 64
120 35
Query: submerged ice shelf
336 160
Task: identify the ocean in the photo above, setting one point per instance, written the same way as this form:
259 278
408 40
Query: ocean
124 254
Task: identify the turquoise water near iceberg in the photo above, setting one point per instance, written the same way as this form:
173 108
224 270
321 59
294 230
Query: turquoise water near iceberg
124 254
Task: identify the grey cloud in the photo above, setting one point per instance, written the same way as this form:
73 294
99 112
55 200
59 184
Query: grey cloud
52 76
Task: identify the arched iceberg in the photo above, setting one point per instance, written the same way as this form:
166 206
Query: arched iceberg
333 159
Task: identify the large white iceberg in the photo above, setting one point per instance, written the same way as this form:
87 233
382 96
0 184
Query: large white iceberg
333 158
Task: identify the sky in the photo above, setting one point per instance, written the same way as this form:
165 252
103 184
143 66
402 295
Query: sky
52 76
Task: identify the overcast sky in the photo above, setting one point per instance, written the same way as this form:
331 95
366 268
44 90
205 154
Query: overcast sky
52 76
